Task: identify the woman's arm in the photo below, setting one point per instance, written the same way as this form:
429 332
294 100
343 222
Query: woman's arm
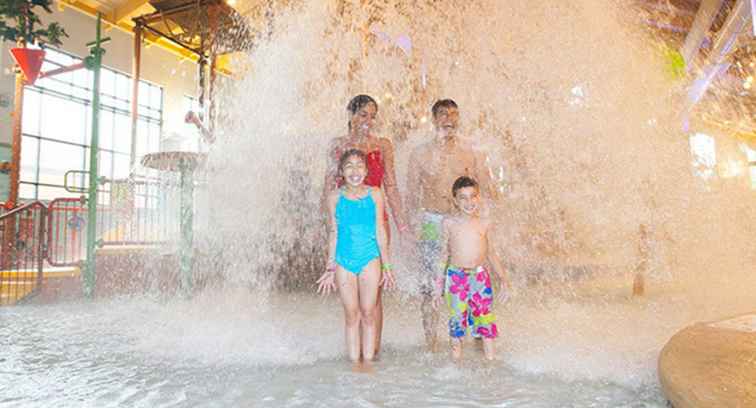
389 184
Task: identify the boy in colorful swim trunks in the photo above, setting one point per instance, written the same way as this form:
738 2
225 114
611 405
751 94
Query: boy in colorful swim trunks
467 283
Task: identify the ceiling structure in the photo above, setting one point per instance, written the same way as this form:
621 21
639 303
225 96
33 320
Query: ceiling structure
730 100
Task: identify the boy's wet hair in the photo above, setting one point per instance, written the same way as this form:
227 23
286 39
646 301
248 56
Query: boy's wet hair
359 102
443 103
463 182
349 153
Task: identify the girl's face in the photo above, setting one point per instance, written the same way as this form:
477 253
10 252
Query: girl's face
364 119
354 171
467 200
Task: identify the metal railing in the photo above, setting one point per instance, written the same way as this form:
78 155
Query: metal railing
22 231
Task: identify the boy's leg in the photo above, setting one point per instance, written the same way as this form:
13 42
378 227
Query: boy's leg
369 281
456 295
456 349
488 348
481 310
348 291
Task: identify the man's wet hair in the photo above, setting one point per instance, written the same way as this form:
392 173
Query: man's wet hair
349 153
463 182
443 103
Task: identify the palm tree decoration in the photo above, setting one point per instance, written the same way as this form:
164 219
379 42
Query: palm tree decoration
19 23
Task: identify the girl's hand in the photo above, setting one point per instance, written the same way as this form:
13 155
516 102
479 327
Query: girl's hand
327 281
387 281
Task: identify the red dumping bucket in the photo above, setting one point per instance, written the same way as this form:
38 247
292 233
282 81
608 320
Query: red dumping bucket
30 61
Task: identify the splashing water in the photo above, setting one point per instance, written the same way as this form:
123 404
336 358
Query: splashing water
577 119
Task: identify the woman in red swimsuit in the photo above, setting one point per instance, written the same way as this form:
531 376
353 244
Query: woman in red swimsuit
380 163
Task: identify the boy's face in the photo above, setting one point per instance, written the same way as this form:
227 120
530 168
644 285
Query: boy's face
446 121
364 119
354 171
467 200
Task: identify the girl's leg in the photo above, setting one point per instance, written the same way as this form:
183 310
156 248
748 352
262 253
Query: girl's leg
369 279
347 284
378 320
379 302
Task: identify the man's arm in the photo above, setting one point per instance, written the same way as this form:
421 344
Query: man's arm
389 185
414 187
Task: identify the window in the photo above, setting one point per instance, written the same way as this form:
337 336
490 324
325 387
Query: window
751 154
703 150
57 122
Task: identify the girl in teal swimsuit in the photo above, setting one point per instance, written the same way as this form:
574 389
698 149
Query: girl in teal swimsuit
357 254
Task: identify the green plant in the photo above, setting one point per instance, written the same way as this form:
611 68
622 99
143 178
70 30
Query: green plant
25 24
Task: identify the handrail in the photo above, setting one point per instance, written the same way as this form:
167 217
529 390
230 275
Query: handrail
22 208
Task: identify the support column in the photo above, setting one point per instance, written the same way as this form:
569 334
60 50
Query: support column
18 111
136 75
707 10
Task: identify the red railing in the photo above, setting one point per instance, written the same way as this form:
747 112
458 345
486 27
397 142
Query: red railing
66 231
22 233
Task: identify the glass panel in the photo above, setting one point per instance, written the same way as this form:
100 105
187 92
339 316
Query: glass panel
32 108
57 158
156 97
29 149
62 120
107 82
121 166
48 193
106 130
122 134
123 87
105 164
154 139
27 191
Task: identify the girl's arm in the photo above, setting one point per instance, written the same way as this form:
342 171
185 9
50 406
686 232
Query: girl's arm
498 267
327 281
380 233
389 185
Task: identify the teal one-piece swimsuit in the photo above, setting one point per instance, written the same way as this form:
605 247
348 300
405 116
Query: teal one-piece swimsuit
356 242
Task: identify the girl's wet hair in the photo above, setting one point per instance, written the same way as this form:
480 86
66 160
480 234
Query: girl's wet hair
348 154
359 102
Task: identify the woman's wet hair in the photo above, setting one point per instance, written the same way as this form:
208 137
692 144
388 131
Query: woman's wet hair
348 154
463 182
359 102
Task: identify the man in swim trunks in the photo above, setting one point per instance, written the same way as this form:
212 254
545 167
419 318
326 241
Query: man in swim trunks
433 167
